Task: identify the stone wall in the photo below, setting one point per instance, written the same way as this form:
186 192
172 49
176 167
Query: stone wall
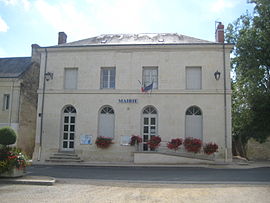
28 110
258 151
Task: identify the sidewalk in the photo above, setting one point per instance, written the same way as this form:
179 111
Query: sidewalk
29 180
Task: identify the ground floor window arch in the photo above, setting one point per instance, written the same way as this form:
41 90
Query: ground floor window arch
149 125
68 128
106 122
194 122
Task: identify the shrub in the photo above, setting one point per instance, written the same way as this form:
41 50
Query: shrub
103 142
154 142
7 136
135 139
175 143
210 148
193 144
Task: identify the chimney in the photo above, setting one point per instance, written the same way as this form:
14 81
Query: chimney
35 56
220 33
62 38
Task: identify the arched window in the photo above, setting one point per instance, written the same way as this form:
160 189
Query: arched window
68 128
149 125
106 122
194 127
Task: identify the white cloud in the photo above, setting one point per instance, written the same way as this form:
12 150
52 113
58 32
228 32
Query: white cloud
24 3
3 25
65 17
219 5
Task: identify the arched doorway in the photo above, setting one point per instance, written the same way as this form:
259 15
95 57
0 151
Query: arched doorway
150 125
194 125
68 128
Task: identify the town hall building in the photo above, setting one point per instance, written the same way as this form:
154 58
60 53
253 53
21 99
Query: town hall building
119 85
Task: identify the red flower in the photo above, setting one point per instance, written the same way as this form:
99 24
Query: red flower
135 139
210 148
174 143
154 142
193 144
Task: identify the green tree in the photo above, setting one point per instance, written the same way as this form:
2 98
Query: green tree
251 86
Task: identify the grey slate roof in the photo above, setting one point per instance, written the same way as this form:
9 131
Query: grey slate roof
14 67
147 38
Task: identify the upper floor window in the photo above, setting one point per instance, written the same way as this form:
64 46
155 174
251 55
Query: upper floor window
107 78
193 78
6 102
150 75
71 77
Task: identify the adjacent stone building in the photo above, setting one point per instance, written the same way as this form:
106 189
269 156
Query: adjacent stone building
18 98
92 88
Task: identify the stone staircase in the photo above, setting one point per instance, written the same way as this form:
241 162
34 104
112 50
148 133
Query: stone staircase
64 157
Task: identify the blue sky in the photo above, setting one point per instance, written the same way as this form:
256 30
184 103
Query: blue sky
26 22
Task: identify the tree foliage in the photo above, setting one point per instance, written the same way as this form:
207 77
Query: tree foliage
251 64
7 136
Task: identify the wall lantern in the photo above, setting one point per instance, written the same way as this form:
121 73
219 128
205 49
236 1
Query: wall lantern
217 75
48 76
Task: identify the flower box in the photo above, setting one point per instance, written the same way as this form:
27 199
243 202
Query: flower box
13 173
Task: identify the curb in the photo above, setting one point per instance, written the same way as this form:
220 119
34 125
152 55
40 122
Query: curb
29 180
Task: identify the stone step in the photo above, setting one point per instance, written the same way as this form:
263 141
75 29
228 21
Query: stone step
65 157
64 160
65 154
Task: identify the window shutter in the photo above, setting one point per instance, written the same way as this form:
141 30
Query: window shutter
194 78
71 75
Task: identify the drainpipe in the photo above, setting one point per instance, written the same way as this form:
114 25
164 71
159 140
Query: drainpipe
42 106
225 104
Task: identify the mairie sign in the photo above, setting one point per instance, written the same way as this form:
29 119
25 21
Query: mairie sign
124 101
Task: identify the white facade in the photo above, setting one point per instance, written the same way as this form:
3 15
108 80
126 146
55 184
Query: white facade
176 66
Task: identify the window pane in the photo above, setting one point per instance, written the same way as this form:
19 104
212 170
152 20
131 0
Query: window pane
145 129
107 78
71 136
65 127
153 121
72 119
145 138
145 147
65 136
65 144
66 119
71 145
145 121
150 75
72 128
153 130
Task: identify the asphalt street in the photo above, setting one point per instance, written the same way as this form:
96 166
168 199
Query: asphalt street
158 174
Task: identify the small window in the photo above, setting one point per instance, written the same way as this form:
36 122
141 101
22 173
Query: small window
71 76
107 78
149 110
194 78
6 102
193 110
107 110
150 75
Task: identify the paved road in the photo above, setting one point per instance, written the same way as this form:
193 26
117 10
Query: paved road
159 174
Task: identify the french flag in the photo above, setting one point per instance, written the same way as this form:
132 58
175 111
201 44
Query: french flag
147 88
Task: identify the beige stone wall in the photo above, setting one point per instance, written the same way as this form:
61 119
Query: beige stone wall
258 151
171 99
11 87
